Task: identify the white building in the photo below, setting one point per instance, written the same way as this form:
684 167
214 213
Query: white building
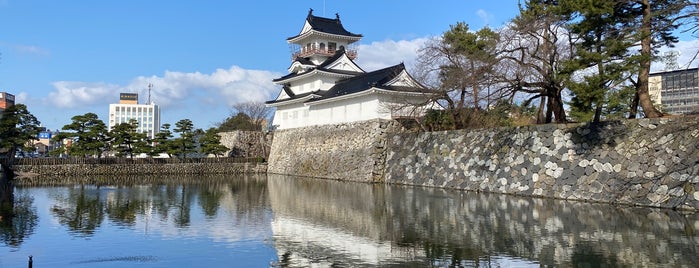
147 115
677 92
325 86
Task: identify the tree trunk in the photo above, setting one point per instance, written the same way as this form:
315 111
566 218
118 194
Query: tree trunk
541 115
598 112
634 106
6 194
558 109
646 54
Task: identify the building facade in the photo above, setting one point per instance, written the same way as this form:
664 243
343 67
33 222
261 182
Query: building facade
326 86
675 92
147 115
6 100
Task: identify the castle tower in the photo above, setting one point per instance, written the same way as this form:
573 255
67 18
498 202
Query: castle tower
320 38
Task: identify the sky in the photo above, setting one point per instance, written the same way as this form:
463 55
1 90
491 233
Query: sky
68 58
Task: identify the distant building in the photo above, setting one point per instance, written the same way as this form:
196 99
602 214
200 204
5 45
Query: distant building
6 100
326 86
675 92
147 115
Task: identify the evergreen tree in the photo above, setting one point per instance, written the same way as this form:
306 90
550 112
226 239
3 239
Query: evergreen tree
126 141
163 142
185 144
17 127
654 23
210 143
89 135
600 58
462 64
240 121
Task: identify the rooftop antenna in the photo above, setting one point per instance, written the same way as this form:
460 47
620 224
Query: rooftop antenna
150 86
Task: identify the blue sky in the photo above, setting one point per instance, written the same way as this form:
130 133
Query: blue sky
67 58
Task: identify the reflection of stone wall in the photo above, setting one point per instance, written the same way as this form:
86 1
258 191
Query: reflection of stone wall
246 143
140 169
435 223
641 162
353 151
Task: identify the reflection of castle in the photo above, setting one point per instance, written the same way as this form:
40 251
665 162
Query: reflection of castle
353 224
329 225
326 86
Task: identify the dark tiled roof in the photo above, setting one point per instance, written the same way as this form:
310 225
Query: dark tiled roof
366 81
320 67
356 84
304 61
326 25
292 97
292 75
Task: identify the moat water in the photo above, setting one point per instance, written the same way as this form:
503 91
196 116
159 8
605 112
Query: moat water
282 221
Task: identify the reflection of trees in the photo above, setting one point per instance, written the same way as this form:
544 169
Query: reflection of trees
251 196
126 201
81 211
123 207
210 198
18 217
182 216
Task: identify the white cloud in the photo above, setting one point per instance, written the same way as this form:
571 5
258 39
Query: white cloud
485 16
71 94
26 49
223 86
33 50
686 51
22 97
378 55
204 98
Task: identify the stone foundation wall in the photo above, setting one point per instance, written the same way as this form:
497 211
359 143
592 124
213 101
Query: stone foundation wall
637 162
353 151
140 169
246 144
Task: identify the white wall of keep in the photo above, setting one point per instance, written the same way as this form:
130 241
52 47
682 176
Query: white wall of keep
361 108
314 83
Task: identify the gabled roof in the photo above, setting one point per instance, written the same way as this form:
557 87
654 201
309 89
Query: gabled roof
326 25
376 79
314 71
293 98
392 79
339 55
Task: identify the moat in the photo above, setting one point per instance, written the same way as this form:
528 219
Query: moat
283 221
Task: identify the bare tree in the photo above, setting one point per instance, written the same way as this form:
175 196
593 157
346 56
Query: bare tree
256 110
535 47
460 68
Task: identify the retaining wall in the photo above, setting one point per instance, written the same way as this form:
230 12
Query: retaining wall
638 162
352 151
246 144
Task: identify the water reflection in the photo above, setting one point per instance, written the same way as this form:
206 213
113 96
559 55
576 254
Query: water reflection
18 218
333 223
83 208
256 221
164 221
